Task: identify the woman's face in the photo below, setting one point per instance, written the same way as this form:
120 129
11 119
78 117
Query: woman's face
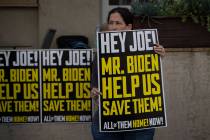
116 23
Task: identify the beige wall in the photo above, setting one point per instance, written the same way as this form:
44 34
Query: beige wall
18 27
69 17
27 26
53 131
187 92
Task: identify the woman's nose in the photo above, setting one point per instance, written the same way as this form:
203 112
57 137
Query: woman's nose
114 26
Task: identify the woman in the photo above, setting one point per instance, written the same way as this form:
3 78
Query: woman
118 19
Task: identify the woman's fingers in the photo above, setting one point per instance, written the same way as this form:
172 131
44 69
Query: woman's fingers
159 49
95 92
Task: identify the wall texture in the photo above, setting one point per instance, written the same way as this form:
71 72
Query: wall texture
18 27
69 17
187 92
27 26
54 131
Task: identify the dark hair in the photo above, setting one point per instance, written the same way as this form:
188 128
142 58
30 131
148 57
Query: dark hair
125 14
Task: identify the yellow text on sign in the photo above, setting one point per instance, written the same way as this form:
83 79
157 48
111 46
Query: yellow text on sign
24 75
111 66
26 90
117 107
142 63
55 90
116 87
2 76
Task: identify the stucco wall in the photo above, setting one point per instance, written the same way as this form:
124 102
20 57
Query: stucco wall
187 92
54 131
69 17
27 26
18 27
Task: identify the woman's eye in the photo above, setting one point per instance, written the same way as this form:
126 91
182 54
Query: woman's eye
115 22
110 23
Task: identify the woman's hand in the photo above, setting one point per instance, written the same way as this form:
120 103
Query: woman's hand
94 93
159 49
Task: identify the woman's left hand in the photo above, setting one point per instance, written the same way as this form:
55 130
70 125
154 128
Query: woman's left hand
159 49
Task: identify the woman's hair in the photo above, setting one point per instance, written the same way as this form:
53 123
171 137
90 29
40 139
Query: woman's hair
125 14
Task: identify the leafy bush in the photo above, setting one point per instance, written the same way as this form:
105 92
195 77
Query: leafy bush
197 10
